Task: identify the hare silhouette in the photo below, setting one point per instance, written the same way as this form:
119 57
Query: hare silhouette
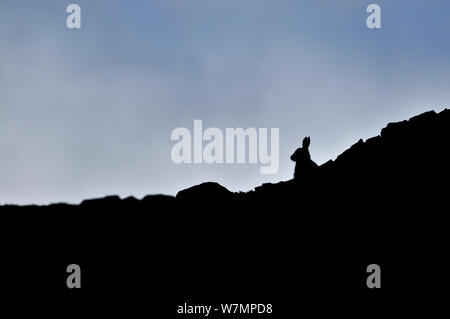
303 163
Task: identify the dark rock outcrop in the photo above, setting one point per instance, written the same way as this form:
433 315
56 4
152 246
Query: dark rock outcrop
205 191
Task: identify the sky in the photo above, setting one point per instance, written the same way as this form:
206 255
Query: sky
89 112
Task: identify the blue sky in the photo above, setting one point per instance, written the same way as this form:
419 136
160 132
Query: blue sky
86 113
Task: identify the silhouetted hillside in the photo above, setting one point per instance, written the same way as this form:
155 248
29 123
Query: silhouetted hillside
406 155
382 201
411 151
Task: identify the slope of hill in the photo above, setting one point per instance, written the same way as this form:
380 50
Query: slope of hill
411 151
383 200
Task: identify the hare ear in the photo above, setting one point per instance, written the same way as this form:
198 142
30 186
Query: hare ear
306 142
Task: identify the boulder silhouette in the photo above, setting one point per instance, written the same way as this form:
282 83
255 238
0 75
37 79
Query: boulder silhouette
205 191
